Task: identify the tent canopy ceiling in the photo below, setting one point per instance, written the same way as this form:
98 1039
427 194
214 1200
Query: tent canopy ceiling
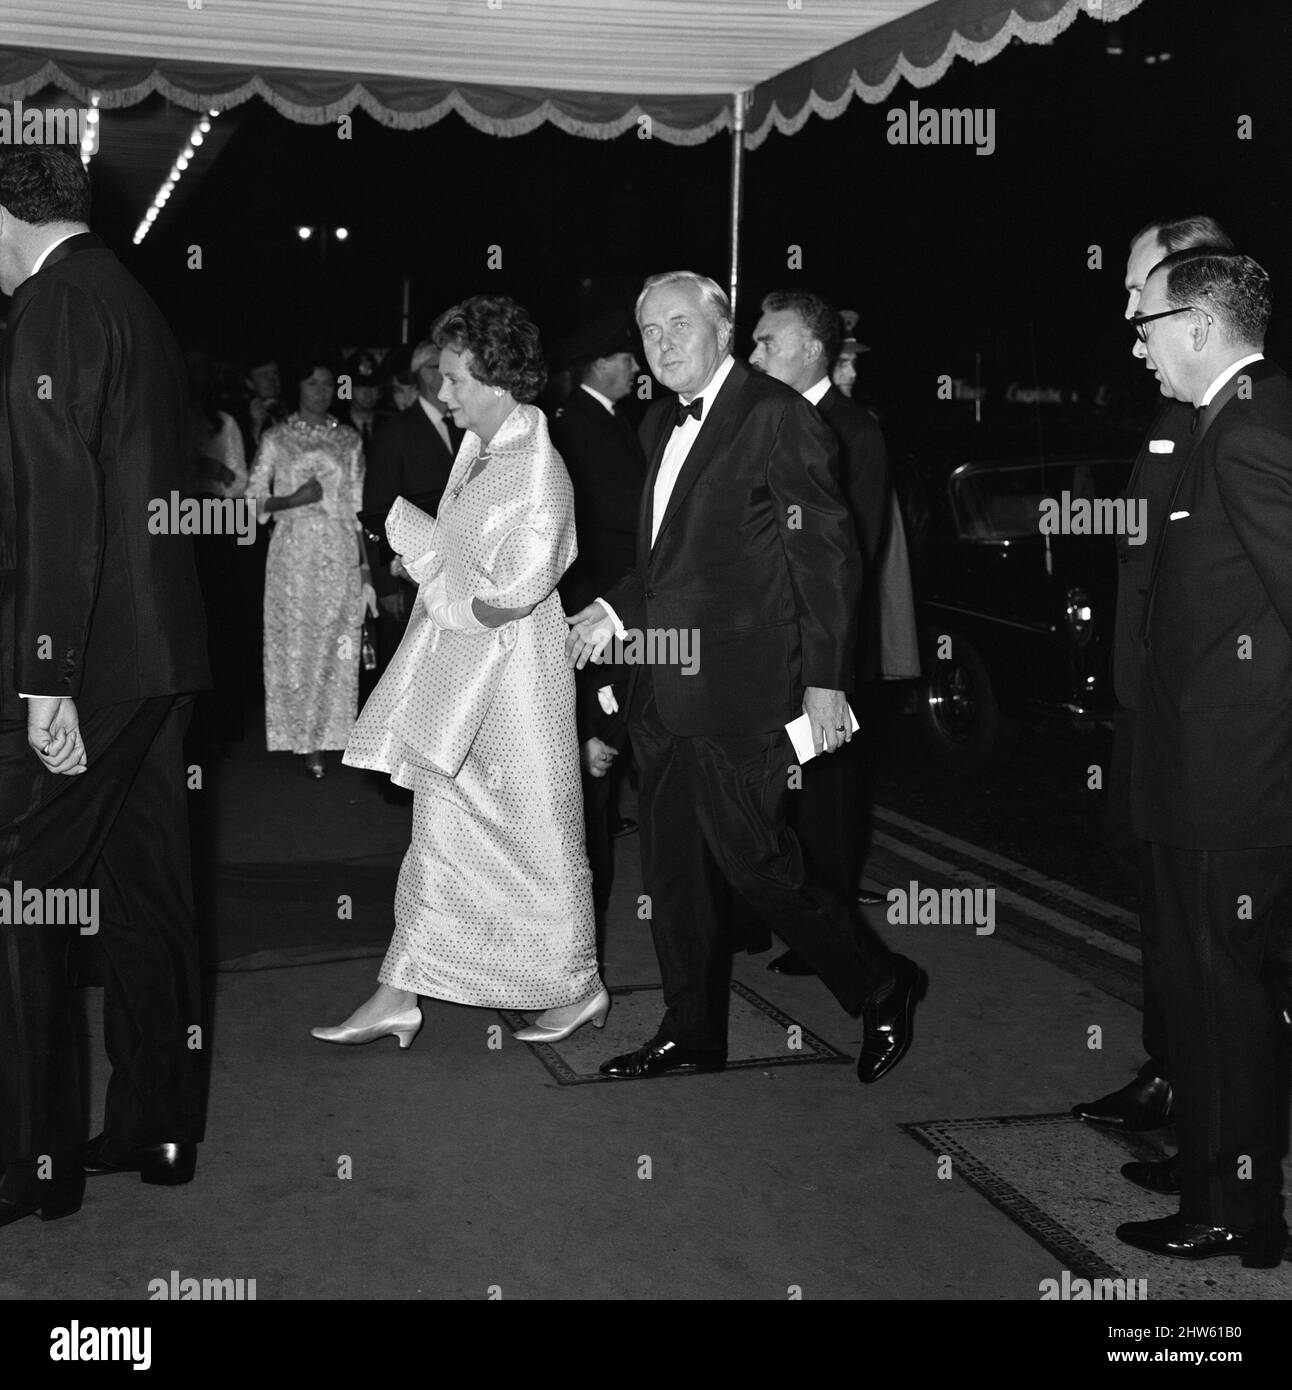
592 67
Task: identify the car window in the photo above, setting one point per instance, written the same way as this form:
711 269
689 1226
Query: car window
997 502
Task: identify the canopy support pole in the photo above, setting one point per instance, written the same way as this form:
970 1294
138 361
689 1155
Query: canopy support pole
738 100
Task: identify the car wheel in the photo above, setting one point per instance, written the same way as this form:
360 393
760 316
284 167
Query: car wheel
962 722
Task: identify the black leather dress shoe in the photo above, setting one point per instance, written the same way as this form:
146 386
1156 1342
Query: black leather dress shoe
23 1194
624 825
1145 1103
790 963
655 1058
1163 1176
889 1024
1260 1248
164 1165
868 899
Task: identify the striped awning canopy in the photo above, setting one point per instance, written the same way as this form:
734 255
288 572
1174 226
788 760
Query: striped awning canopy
595 68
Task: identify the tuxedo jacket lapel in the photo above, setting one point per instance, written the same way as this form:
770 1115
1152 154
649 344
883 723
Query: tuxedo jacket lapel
1215 406
707 443
661 422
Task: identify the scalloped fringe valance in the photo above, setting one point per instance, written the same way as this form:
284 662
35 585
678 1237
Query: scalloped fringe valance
784 104
918 49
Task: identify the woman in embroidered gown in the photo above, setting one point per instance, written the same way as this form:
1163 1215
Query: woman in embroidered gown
476 714
308 475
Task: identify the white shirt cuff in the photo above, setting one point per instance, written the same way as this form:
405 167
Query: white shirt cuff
621 632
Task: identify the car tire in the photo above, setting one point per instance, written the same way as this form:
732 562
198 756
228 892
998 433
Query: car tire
960 718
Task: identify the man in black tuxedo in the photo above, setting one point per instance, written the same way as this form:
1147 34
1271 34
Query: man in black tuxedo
1144 1103
607 468
796 340
744 540
102 640
1211 779
411 456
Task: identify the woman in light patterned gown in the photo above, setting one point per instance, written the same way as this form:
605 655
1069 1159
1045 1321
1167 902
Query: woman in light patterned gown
476 714
308 476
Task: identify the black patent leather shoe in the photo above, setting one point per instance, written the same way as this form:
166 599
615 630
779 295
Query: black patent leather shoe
655 1058
1145 1103
163 1165
868 899
1262 1247
1163 1176
790 963
24 1194
889 1024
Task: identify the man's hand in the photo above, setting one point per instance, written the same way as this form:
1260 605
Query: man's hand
590 630
828 712
598 757
55 734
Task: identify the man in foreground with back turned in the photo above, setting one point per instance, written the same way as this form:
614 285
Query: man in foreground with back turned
101 636
744 538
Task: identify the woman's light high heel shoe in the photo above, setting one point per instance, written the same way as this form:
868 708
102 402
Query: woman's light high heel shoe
405 1027
594 1012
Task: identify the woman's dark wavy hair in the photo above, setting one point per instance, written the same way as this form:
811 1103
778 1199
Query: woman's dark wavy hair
301 365
502 340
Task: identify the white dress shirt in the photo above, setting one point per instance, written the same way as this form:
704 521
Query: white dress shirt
40 260
1232 370
597 396
818 389
436 417
676 450
680 442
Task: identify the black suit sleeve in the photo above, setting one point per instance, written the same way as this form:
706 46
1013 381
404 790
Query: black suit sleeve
627 595
382 480
57 372
867 485
820 544
1255 486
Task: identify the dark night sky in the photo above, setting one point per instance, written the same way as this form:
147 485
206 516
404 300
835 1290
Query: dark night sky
942 251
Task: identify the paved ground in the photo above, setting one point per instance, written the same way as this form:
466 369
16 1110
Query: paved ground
457 1167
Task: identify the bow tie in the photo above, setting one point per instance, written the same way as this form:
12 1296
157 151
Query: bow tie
695 409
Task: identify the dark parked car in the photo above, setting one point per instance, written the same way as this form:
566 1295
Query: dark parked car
1015 624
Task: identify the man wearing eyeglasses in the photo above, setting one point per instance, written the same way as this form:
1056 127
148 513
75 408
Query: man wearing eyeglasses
1144 1103
1211 780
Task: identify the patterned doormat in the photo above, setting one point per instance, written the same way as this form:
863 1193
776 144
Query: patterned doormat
758 1035
1060 1180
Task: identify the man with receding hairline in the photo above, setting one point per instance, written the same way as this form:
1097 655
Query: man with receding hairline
1144 1103
1211 779
743 537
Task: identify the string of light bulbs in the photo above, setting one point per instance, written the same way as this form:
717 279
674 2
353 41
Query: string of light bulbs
186 156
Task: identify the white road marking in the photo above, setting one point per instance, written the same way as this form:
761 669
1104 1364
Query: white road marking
1069 926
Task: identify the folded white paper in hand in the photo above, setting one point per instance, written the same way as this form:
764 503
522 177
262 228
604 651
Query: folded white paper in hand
800 732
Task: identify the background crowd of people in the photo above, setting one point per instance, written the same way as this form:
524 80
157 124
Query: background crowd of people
309 615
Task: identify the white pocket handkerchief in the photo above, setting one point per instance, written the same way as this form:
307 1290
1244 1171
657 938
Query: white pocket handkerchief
1178 516
1161 446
